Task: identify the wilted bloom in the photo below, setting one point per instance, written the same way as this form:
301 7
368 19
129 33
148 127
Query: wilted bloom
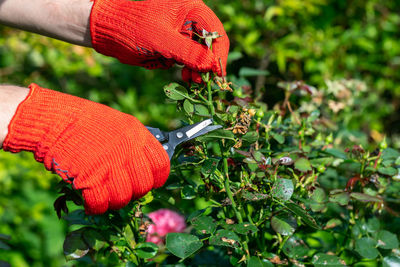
164 221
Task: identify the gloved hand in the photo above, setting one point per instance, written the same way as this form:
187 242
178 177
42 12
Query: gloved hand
158 33
107 154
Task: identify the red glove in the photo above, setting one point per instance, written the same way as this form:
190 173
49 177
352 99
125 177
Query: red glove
107 154
158 33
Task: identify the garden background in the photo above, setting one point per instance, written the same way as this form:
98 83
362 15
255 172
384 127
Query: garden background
325 44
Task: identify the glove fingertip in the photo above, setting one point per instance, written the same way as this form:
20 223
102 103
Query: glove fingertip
96 201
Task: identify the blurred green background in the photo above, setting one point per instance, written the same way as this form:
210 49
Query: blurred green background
311 40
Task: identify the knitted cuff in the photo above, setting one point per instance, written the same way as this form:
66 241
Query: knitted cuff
108 25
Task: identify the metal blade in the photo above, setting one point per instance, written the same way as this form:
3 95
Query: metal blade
207 130
157 133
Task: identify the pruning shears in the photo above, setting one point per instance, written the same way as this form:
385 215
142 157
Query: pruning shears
170 140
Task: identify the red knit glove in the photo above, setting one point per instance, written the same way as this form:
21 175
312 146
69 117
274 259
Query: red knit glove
158 33
107 154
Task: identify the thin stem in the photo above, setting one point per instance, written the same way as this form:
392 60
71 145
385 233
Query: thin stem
210 102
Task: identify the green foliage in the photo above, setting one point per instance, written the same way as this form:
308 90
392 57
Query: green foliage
265 201
299 174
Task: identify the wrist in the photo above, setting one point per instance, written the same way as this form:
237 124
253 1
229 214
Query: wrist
66 20
10 98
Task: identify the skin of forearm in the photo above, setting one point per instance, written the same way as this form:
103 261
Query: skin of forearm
66 20
10 97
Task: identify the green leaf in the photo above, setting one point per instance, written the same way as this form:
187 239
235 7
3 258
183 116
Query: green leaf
390 154
74 246
391 261
93 238
336 153
389 171
224 238
372 225
256 262
279 138
303 165
175 91
182 245
339 196
285 224
146 199
204 224
146 250
321 259
188 192
318 199
217 134
366 248
188 107
250 137
244 228
209 166
249 72
306 218
174 186
364 197
283 189
295 248
318 195
201 110
387 240
332 223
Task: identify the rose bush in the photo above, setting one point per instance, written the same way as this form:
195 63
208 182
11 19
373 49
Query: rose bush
282 185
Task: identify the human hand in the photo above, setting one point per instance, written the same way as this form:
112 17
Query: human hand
159 33
107 154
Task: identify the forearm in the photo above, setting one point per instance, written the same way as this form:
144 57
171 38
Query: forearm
66 20
10 97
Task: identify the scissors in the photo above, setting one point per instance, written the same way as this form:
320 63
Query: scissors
170 140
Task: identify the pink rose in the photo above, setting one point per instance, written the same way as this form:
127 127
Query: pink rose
165 221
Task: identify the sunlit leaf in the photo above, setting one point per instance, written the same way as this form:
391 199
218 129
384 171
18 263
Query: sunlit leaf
204 224
364 197
146 250
224 238
74 246
306 218
182 245
188 192
303 165
283 189
366 248
340 197
284 224
188 107
257 262
321 259
295 248
175 91
391 261
387 240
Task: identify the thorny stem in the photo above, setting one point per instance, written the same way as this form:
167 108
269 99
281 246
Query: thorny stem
210 103
226 171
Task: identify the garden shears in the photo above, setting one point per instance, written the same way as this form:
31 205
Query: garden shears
170 140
